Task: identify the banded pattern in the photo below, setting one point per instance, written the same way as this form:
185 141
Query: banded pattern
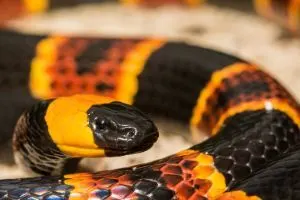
246 142
66 66
191 174
237 88
160 180
250 140
253 120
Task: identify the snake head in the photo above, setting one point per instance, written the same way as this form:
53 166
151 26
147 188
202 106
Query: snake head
121 129
65 129
91 126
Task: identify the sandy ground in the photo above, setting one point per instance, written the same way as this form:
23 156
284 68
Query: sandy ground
232 31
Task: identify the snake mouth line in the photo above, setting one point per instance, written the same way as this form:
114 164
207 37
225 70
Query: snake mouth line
77 151
138 149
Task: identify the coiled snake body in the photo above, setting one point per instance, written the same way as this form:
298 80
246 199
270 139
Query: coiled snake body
254 122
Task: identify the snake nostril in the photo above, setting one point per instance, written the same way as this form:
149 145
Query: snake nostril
131 134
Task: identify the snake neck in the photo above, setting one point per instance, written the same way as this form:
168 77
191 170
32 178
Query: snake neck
33 147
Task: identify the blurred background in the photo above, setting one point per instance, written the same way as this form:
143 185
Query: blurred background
231 28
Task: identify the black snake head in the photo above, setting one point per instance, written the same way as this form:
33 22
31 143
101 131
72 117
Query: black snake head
79 126
85 126
121 129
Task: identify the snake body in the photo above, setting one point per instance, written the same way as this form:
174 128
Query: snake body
253 152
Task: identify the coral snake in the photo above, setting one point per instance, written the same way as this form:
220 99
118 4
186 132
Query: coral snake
78 94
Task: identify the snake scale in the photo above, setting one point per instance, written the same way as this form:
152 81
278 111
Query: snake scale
77 96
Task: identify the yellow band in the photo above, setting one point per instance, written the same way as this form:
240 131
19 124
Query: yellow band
194 2
215 82
67 123
130 2
132 66
187 2
211 87
206 170
294 15
237 195
269 104
263 7
36 6
46 56
81 152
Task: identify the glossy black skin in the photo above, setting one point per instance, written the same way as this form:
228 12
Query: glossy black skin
118 128
121 129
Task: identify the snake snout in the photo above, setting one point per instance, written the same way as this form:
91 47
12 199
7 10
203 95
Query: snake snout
121 129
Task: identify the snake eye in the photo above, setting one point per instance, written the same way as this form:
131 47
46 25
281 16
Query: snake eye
100 125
